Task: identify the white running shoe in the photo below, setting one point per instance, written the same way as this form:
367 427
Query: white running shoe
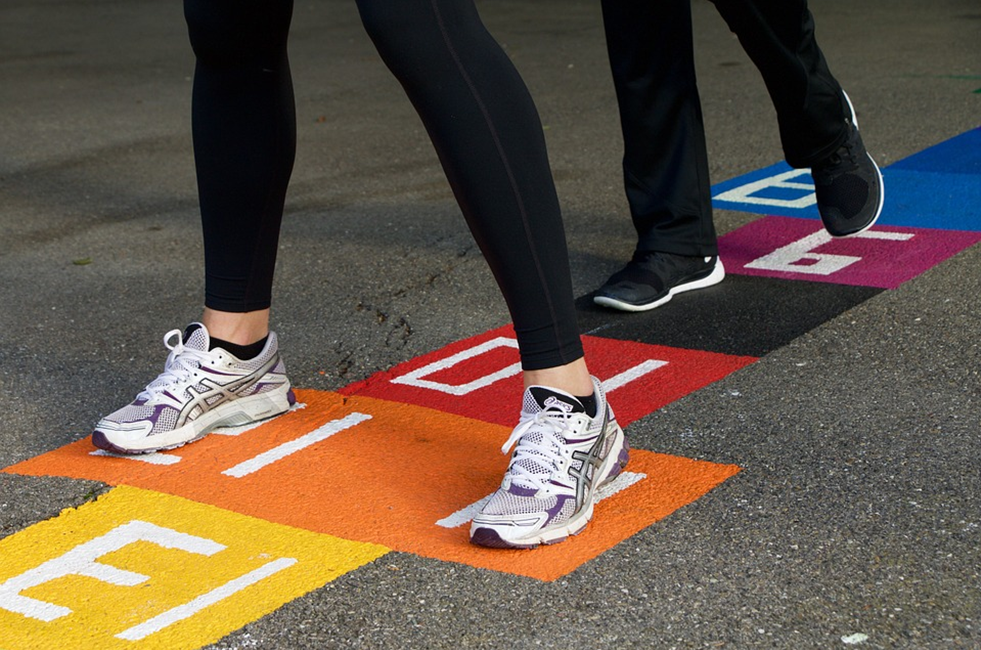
198 391
562 456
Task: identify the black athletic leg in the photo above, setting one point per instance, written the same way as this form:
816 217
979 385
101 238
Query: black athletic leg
244 132
489 139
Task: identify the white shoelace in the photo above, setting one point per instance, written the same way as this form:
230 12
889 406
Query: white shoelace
181 363
549 451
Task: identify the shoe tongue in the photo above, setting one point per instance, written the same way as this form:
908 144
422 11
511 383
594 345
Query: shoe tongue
540 398
196 337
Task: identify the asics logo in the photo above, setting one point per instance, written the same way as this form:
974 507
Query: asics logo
556 403
591 459
224 392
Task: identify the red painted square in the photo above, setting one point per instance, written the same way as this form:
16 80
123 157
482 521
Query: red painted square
800 249
460 378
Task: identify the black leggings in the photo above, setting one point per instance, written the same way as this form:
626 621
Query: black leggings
475 107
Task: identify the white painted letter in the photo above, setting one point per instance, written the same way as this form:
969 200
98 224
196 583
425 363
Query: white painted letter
789 258
744 193
82 561
415 378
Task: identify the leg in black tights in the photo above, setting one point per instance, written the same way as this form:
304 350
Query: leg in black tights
244 131
475 107
489 139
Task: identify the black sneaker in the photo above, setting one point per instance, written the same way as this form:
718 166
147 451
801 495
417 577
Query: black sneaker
848 185
651 278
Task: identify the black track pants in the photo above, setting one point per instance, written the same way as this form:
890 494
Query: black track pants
474 105
665 162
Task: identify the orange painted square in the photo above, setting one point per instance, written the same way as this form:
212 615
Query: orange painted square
388 480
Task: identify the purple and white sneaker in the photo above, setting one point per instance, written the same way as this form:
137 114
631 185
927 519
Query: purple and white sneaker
198 391
562 456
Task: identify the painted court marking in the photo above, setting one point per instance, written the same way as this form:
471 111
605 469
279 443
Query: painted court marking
293 446
640 377
937 188
82 561
632 374
762 191
264 513
384 473
799 256
415 378
800 249
113 573
182 612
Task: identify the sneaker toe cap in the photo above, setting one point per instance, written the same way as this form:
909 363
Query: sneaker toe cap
490 538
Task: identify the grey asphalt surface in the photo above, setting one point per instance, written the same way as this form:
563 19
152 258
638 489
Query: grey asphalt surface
857 510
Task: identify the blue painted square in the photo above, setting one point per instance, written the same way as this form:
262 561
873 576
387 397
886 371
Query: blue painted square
959 155
768 199
939 188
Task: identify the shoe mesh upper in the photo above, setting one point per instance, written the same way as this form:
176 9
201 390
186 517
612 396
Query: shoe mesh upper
506 503
848 188
538 451
164 416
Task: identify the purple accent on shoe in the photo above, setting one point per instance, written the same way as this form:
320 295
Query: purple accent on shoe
157 412
621 463
622 459
489 538
517 490
560 501
99 440
291 397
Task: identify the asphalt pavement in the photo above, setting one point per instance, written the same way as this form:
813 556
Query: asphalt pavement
854 518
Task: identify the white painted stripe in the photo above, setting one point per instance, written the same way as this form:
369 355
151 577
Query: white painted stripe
83 560
415 378
237 431
885 234
282 451
628 376
187 610
464 515
619 484
153 459
744 193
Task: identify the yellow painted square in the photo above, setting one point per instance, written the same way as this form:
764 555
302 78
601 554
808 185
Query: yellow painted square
223 571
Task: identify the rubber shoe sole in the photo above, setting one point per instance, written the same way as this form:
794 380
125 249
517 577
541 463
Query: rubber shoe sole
238 412
716 276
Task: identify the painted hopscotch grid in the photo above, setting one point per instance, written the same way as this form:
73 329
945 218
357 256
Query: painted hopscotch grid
399 475
113 573
103 546
799 249
475 376
937 188
932 211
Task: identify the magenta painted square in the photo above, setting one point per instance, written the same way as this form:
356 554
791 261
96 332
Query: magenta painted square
800 249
